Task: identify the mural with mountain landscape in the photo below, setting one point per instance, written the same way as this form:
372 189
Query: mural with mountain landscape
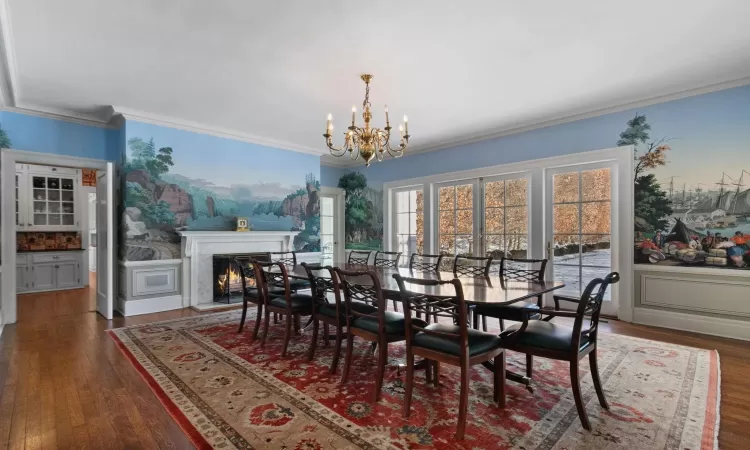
174 182
692 185
363 213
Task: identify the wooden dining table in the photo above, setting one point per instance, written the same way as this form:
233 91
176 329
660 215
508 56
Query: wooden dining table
486 291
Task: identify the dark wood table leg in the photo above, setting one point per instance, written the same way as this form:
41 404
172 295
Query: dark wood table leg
512 376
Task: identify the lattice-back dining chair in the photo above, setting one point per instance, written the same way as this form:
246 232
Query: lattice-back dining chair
362 290
359 257
388 260
291 305
453 343
425 263
250 291
523 270
327 308
289 259
550 340
472 266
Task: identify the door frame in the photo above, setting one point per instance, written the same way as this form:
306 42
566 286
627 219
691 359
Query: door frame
8 160
623 177
339 204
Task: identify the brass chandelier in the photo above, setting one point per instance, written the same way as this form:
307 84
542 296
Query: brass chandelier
367 141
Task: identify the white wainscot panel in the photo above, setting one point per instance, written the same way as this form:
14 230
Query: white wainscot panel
718 297
150 281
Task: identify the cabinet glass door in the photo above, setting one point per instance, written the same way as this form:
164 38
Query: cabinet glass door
53 201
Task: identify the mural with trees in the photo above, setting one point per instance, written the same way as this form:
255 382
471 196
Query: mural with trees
4 138
363 213
163 195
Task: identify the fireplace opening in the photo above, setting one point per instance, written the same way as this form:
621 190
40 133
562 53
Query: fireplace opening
227 280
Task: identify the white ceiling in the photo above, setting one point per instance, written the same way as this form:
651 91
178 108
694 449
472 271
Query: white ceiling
273 70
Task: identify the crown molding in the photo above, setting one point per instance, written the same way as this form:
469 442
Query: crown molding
195 127
61 114
533 125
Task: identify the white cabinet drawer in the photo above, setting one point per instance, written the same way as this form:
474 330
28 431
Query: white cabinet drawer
55 257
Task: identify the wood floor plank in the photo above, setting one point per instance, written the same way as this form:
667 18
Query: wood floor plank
65 384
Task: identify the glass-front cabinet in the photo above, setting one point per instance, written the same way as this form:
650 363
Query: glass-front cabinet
48 201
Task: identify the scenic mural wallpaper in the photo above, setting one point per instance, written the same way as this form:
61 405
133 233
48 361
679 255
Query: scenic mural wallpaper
177 180
692 186
363 213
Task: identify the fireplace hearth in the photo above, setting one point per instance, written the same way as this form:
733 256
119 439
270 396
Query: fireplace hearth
227 280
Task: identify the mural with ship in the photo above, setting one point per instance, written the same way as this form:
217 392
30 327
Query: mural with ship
171 189
692 190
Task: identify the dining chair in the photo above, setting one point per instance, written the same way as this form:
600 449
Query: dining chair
359 257
515 269
250 292
328 309
289 259
388 260
425 263
550 340
451 343
290 305
472 266
378 325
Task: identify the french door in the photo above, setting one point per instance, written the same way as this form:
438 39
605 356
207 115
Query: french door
331 225
579 220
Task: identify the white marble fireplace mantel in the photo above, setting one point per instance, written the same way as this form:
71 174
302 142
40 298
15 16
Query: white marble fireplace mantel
198 248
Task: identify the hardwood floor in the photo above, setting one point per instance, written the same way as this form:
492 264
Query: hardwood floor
66 385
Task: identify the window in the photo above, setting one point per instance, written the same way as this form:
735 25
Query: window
581 227
456 218
409 225
506 218
326 230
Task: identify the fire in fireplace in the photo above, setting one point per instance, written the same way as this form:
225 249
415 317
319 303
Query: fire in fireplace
227 278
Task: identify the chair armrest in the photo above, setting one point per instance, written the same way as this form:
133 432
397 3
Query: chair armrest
558 313
565 298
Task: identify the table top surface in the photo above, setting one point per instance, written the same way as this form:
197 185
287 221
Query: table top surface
477 290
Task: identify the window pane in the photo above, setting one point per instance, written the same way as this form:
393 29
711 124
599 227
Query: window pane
402 201
517 220
447 197
494 246
412 223
494 193
464 197
447 244
447 221
596 217
516 192
326 224
596 184
565 219
516 245
413 201
566 249
464 245
326 206
596 251
402 223
494 220
570 276
565 186
465 223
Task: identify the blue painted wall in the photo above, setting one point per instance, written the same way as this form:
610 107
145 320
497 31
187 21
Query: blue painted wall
329 176
718 122
40 134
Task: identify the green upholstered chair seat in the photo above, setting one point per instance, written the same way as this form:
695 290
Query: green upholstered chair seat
298 284
272 291
514 311
479 341
544 335
300 302
395 323
330 310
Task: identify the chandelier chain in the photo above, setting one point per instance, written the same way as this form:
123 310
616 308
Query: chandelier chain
366 103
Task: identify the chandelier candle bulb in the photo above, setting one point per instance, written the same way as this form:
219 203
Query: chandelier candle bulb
387 122
354 112
406 125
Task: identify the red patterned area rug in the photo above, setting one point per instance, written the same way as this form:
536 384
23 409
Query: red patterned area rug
227 392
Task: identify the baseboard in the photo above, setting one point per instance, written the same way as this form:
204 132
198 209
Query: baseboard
714 326
149 305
